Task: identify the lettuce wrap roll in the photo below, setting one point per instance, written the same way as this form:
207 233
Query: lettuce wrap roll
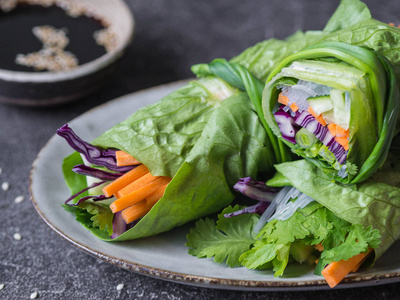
336 105
338 208
186 163
332 103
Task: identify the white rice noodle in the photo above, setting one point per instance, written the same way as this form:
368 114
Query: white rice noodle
281 208
281 196
300 92
298 96
318 89
342 172
287 210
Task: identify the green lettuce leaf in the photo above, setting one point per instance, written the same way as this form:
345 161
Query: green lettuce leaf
374 105
226 240
375 204
74 182
348 13
93 216
312 225
280 241
262 57
231 146
372 34
162 135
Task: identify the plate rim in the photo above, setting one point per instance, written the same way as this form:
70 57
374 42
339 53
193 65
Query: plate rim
358 280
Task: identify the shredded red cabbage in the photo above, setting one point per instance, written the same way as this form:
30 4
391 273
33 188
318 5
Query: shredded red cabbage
93 198
322 133
119 225
93 172
338 151
95 155
308 121
84 190
259 208
254 189
286 125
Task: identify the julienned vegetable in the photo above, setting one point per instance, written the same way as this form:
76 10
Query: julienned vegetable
335 103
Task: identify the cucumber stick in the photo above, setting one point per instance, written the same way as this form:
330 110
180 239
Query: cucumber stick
340 111
320 104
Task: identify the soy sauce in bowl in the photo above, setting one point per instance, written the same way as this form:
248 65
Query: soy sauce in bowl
55 51
17 37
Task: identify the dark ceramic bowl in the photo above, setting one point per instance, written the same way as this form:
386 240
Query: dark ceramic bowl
52 88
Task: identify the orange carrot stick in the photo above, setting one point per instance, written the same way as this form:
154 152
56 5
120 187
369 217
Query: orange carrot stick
124 180
138 183
312 112
355 269
139 194
141 208
294 107
285 101
344 141
154 197
125 159
337 270
319 247
337 130
321 120
135 211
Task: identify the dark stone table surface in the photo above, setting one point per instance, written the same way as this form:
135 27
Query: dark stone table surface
171 35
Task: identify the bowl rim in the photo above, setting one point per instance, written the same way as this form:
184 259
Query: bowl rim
81 70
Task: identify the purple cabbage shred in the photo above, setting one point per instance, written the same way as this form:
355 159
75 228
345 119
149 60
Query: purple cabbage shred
93 172
259 208
93 154
256 190
119 225
93 198
99 198
286 124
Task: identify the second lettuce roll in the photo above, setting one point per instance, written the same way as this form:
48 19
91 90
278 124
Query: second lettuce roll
336 105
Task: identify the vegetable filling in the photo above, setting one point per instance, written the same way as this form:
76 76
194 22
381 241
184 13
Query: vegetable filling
316 119
126 181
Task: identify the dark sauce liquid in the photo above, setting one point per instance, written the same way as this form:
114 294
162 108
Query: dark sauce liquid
16 35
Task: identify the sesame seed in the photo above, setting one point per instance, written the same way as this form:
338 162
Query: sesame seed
1 286
120 286
19 199
5 186
33 295
17 236
74 8
52 56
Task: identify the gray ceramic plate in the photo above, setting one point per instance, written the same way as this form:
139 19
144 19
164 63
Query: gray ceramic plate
165 256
